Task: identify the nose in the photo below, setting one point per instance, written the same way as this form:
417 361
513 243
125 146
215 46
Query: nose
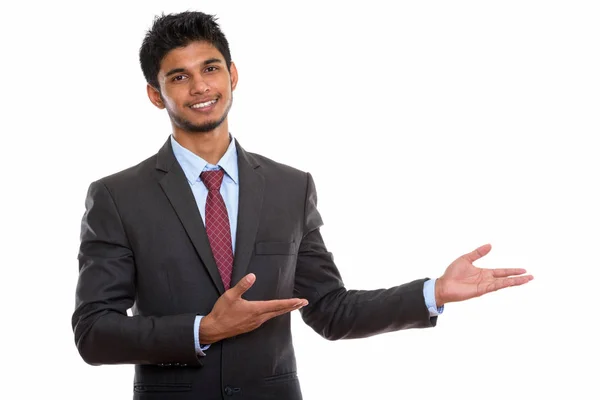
199 86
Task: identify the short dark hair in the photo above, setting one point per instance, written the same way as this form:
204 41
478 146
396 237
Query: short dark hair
178 30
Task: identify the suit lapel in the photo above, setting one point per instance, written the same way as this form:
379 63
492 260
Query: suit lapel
251 190
179 193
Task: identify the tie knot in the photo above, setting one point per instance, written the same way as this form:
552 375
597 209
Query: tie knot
212 179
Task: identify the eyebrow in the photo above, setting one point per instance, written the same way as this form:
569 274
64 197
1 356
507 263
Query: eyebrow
206 62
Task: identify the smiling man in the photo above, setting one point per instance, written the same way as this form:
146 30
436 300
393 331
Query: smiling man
197 84
212 247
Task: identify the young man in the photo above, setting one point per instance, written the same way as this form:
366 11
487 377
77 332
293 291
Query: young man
212 247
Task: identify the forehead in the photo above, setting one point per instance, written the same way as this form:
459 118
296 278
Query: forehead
190 56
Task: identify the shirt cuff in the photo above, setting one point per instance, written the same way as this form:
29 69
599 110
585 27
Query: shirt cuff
429 295
199 348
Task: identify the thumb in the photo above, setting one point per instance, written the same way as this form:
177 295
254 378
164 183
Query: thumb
243 285
478 253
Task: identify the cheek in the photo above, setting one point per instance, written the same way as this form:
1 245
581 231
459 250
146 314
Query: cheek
221 85
174 95
170 102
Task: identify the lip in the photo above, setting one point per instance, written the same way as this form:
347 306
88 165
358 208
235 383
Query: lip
205 109
202 100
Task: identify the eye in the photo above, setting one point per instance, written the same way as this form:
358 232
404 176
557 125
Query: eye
212 68
178 78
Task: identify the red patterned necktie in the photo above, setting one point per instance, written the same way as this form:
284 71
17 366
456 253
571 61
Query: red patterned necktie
217 225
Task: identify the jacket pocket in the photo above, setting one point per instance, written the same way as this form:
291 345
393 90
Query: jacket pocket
161 387
290 376
283 248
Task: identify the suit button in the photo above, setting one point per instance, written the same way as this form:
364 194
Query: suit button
228 391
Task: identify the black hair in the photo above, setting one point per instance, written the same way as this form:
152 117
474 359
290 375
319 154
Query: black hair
178 30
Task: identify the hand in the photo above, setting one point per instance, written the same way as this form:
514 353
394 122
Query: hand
232 315
462 280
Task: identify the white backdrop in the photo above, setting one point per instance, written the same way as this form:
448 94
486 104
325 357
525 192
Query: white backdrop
473 121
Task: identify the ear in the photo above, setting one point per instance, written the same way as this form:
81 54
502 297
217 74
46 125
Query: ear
234 76
155 97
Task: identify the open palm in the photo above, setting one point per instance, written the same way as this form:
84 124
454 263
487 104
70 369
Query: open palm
462 280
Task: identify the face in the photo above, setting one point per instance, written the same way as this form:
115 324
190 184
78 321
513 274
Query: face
195 87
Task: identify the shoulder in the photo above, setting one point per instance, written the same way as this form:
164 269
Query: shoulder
130 177
270 166
281 175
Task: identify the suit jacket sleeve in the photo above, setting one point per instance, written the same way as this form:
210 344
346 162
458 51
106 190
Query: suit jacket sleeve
104 333
337 313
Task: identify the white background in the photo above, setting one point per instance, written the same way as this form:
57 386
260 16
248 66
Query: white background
467 121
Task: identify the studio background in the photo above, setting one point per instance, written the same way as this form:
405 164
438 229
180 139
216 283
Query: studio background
463 122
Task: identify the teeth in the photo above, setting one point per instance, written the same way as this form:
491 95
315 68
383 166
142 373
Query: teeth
205 104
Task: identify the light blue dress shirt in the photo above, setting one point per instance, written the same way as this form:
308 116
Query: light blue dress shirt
193 165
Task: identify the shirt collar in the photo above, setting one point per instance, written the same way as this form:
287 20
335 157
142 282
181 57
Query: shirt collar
193 164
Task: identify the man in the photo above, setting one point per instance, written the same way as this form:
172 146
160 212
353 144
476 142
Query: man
212 247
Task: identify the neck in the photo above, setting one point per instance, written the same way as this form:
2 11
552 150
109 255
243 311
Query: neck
209 145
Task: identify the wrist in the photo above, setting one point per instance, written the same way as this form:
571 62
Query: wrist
208 333
438 292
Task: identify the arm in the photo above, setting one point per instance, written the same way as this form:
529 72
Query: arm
104 333
337 313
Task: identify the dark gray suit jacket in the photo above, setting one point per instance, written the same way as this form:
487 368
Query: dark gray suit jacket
144 246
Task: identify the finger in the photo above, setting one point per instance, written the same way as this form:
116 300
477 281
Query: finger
508 282
505 272
270 306
274 314
243 285
478 253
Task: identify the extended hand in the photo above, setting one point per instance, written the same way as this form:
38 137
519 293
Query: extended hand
232 315
462 280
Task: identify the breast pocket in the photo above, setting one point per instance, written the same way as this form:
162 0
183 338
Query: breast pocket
275 248
274 266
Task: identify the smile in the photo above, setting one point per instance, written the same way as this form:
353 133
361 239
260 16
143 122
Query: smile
204 105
